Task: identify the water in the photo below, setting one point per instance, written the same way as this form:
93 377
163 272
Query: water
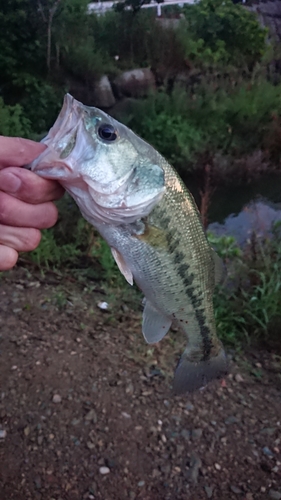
239 210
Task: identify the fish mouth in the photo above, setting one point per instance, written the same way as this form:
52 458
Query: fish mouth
56 162
58 170
66 120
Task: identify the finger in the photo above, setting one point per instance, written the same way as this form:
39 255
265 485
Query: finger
21 239
28 186
14 212
8 258
17 151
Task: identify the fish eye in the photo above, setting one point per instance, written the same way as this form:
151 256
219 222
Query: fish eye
107 132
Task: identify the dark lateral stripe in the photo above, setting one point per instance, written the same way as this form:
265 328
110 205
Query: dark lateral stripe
195 299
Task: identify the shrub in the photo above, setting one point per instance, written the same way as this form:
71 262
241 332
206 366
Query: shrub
249 306
189 125
222 33
13 122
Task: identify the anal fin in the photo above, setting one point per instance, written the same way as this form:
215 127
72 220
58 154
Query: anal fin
123 268
155 324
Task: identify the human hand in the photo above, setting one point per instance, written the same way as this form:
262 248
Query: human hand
25 200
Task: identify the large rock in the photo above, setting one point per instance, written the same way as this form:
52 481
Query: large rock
134 83
103 96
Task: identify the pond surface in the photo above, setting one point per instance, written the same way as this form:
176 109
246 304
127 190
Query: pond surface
239 210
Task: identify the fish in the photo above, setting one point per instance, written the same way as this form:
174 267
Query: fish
141 207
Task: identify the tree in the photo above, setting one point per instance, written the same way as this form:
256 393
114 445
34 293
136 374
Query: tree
226 32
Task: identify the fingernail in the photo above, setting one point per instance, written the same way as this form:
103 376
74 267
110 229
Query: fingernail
9 183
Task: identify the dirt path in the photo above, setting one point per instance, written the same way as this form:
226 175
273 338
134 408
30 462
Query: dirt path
86 410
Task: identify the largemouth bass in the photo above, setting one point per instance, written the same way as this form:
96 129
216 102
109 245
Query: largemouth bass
140 206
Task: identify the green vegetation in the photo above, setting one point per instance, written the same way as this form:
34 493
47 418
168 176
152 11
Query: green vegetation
73 245
49 45
187 126
248 306
217 97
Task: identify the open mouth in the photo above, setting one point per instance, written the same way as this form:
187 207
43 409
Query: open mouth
50 168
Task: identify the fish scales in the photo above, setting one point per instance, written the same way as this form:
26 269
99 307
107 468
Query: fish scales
143 210
179 276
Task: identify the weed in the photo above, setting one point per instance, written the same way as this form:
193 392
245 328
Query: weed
247 311
60 299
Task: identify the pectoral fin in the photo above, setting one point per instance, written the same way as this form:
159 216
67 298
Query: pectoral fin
155 325
123 268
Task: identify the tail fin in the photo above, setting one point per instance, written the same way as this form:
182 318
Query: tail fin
191 375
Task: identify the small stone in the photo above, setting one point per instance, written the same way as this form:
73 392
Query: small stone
141 484
209 491
129 388
26 431
125 415
104 470
103 306
269 431
38 482
249 496
235 490
185 434
231 420
40 440
93 488
91 415
238 378
195 465
217 466
276 495
266 451
189 406
75 421
166 469
56 398
196 434
3 434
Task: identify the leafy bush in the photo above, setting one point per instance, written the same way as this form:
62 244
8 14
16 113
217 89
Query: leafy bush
13 122
189 125
87 62
40 100
222 33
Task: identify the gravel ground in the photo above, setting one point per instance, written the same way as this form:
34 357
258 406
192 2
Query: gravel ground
86 410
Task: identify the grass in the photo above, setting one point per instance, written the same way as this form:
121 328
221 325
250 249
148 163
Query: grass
248 308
